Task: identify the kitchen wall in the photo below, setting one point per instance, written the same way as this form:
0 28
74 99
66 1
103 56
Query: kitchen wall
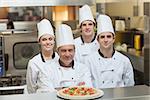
3 12
126 7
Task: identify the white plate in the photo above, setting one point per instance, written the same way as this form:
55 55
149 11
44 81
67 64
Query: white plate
99 93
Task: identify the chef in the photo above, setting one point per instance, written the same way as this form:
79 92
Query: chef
109 68
66 71
87 42
46 40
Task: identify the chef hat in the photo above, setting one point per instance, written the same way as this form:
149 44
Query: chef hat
104 24
44 27
85 13
64 35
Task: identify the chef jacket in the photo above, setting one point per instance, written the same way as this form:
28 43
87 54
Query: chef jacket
111 72
35 66
84 49
56 76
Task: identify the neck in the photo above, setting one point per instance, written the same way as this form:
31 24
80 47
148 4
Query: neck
66 65
47 55
107 52
88 39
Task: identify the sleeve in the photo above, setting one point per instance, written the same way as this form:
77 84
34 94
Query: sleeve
45 82
128 75
31 77
89 66
87 76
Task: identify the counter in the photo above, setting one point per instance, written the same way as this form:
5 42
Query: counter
139 92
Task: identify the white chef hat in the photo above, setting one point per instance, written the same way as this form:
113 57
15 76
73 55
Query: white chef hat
104 24
85 13
44 27
64 35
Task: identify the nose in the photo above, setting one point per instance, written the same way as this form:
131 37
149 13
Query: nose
87 26
105 38
48 41
67 53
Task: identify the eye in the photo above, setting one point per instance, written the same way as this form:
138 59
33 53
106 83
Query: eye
90 24
83 24
109 36
63 50
43 39
102 37
70 50
50 38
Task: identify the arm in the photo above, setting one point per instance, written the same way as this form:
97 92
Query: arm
45 81
128 75
87 76
45 84
31 77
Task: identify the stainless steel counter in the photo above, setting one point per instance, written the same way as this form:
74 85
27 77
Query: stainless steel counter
140 92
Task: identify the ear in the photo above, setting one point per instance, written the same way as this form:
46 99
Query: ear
114 37
57 50
98 38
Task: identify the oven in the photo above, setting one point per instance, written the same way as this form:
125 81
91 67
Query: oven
18 49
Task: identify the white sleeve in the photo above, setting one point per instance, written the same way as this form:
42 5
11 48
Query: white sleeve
128 75
87 76
44 82
31 77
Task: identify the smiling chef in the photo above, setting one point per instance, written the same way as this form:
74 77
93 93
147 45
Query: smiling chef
66 71
46 39
109 67
87 42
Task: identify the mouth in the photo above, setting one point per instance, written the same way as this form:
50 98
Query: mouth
87 31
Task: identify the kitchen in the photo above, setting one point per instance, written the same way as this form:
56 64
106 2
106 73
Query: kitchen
136 8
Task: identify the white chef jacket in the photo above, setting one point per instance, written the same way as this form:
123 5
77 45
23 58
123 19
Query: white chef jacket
35 66
110 72
84 49
56 76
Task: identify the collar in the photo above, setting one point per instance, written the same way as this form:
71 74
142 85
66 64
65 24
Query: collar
100 53
70 65
92 39
53 56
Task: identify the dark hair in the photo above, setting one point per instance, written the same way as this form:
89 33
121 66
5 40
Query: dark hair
89 20
10 25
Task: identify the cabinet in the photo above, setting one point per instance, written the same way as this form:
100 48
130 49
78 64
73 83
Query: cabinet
134 39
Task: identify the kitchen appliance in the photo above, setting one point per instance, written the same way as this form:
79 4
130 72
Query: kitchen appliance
19 48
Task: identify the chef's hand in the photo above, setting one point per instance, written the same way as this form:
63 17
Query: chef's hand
81 83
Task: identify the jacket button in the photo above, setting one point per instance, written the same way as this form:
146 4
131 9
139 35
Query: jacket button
103 82
112 81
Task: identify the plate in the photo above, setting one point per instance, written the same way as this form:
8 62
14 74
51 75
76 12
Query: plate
98 93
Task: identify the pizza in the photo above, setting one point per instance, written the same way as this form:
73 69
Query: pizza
80 92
